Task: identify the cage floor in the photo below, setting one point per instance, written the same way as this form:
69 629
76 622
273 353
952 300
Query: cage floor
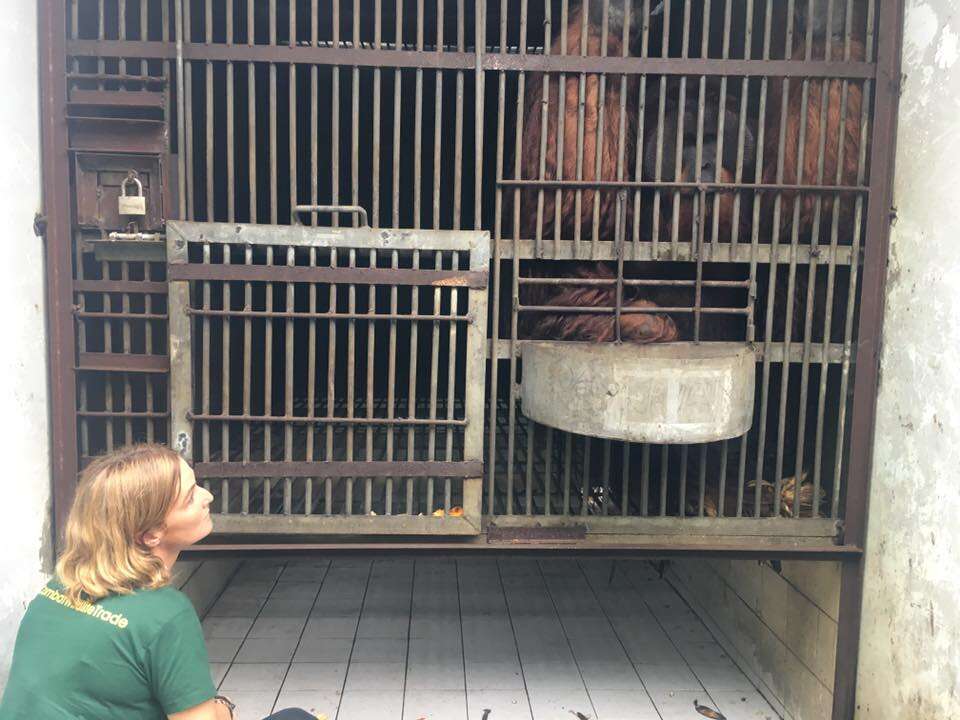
443 639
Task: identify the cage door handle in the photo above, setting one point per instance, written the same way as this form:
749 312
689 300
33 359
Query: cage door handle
352 209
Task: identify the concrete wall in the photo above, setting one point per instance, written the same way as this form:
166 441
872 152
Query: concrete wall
780 627
25 481
910 643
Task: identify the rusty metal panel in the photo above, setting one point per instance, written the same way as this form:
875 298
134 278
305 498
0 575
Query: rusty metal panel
98 181
266 438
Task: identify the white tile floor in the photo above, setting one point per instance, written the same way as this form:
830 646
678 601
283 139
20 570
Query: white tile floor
441 639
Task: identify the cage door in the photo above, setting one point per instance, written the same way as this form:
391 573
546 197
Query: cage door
330 380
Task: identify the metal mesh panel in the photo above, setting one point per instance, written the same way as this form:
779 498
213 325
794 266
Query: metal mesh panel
732 173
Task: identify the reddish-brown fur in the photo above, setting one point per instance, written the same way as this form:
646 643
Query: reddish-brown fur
634 327
610 149
805 171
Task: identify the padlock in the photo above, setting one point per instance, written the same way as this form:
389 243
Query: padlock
132 204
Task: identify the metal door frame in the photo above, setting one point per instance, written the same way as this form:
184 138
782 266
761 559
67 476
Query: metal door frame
181 273
55 225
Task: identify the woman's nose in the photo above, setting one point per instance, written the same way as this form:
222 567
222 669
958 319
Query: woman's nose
207 497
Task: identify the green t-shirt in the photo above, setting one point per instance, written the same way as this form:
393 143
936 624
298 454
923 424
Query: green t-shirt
125 657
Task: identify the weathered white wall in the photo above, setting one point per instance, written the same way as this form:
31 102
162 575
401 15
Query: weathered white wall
910 643
24 427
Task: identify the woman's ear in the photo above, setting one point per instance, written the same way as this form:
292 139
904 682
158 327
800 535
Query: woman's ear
152 538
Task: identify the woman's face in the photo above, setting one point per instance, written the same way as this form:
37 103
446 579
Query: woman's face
189 519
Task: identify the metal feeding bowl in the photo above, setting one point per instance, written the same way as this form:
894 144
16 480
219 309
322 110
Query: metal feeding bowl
677 393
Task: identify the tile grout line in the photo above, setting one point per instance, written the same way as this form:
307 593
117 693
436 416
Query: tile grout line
669 636
356 632
463 644
306 621
563 630
516 644
406 659
617 636
256 617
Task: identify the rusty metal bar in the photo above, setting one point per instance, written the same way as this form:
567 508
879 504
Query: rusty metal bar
353 276
117 362
58 255
247 368
392 384
351 377
339 469
331 385
424 59
311 362
288 376
412 384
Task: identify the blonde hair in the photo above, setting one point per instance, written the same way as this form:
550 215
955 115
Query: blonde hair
121 496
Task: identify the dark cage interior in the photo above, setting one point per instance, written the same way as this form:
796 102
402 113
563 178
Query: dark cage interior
649 171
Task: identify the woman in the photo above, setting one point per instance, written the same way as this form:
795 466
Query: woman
108 638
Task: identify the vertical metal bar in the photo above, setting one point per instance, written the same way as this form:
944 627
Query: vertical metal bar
181 354
377 30
412 381
531 449
108 347
684 463
774 249
252 142
210 210
418 124
225 388
331 409
458 130
187 138
231 123
437 120
452 364
605 473
292 105
335 119
480 23
351 375
544 123
355 115
625 489
567 466
645 480
288 408
581 103
391 381
205 366
548 472
865 383
515 291
312 290
791 280
585 480
272 115
268 385
598 145
664 450
641 115
247 372
371 360
703 479
722 489
314 116
491 464
561 132
397 91
127 349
